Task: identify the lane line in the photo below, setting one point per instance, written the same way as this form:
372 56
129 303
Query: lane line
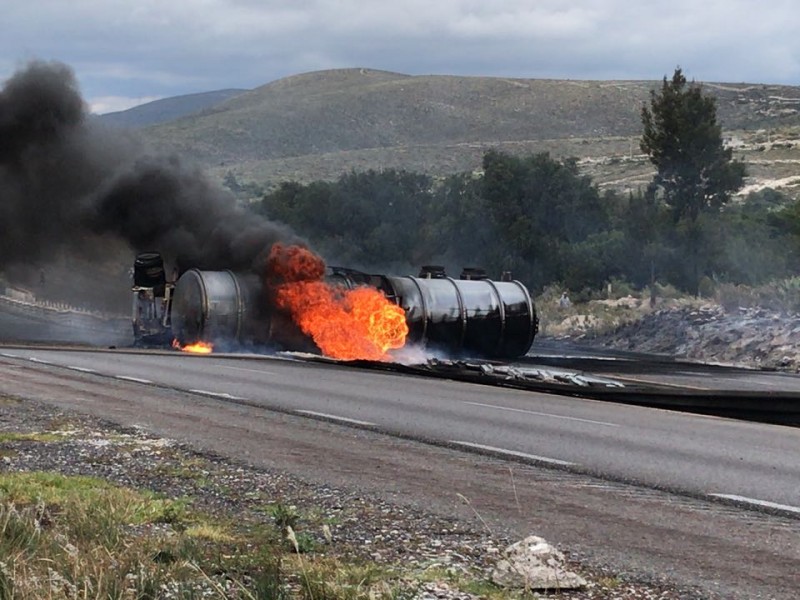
82 369
314 413
39 360
543 414
9 355
760 503
680 386
534 457
225 395
134 379
249 370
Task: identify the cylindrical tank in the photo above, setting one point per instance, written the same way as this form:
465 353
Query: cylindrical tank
209 306
472 316
230 309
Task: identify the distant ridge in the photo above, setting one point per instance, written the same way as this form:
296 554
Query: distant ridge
320 124
168 109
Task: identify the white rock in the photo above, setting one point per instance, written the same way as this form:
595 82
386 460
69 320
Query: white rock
533 564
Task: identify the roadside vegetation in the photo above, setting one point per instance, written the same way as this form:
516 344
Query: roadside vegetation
81 537
91 510
549 225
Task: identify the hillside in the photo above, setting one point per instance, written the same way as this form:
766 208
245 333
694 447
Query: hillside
318 125
167 109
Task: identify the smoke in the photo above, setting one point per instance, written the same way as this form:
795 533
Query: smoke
67 182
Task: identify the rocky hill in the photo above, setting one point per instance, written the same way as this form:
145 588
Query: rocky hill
318 125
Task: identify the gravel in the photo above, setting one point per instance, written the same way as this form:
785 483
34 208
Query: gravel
366 528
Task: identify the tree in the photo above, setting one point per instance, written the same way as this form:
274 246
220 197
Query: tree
542 208
696 174
681 136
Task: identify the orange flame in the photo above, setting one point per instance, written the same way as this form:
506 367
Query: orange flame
196 348
345 324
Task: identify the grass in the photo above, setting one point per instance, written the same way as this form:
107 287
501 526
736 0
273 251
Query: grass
6 437
82 537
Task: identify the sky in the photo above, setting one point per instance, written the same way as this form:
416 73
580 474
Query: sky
127 52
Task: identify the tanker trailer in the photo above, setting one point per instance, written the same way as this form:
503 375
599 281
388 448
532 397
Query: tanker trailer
470 316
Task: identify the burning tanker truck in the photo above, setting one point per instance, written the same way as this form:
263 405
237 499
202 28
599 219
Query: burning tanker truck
300 304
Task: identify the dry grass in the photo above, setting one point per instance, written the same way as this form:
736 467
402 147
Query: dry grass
81 537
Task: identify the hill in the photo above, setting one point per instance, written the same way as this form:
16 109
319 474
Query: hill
167 109
318 125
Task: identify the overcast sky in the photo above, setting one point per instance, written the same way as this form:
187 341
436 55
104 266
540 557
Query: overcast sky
125 52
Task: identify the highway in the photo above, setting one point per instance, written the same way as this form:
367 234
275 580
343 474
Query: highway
753 464
707 504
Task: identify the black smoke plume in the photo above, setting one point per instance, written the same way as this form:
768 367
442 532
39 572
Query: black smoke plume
67 183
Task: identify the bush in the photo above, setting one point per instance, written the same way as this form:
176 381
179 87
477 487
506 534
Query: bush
782 295
707 287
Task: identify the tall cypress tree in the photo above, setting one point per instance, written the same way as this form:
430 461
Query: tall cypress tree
695 172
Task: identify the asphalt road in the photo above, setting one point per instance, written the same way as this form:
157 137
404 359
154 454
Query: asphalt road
750 463
257 409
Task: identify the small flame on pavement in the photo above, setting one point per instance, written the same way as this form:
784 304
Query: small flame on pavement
196 348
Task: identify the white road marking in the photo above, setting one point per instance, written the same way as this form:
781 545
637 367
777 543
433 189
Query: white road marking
544 459
39 360
761 503
543 414
8 355
250 370
134 379
82 369
335 417
225 395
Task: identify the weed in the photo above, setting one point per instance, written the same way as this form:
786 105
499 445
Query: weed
173 513
283 515
609 582
268 582
6 584
305 543
212 533
332 580
477 514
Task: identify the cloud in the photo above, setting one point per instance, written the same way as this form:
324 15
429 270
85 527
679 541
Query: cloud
151 48
106 104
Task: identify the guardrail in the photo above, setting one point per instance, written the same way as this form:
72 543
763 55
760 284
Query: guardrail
23 317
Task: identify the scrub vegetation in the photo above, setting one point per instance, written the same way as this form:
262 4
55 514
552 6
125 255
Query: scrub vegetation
545 221
81 537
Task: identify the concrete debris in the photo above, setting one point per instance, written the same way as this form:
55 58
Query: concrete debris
533 564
